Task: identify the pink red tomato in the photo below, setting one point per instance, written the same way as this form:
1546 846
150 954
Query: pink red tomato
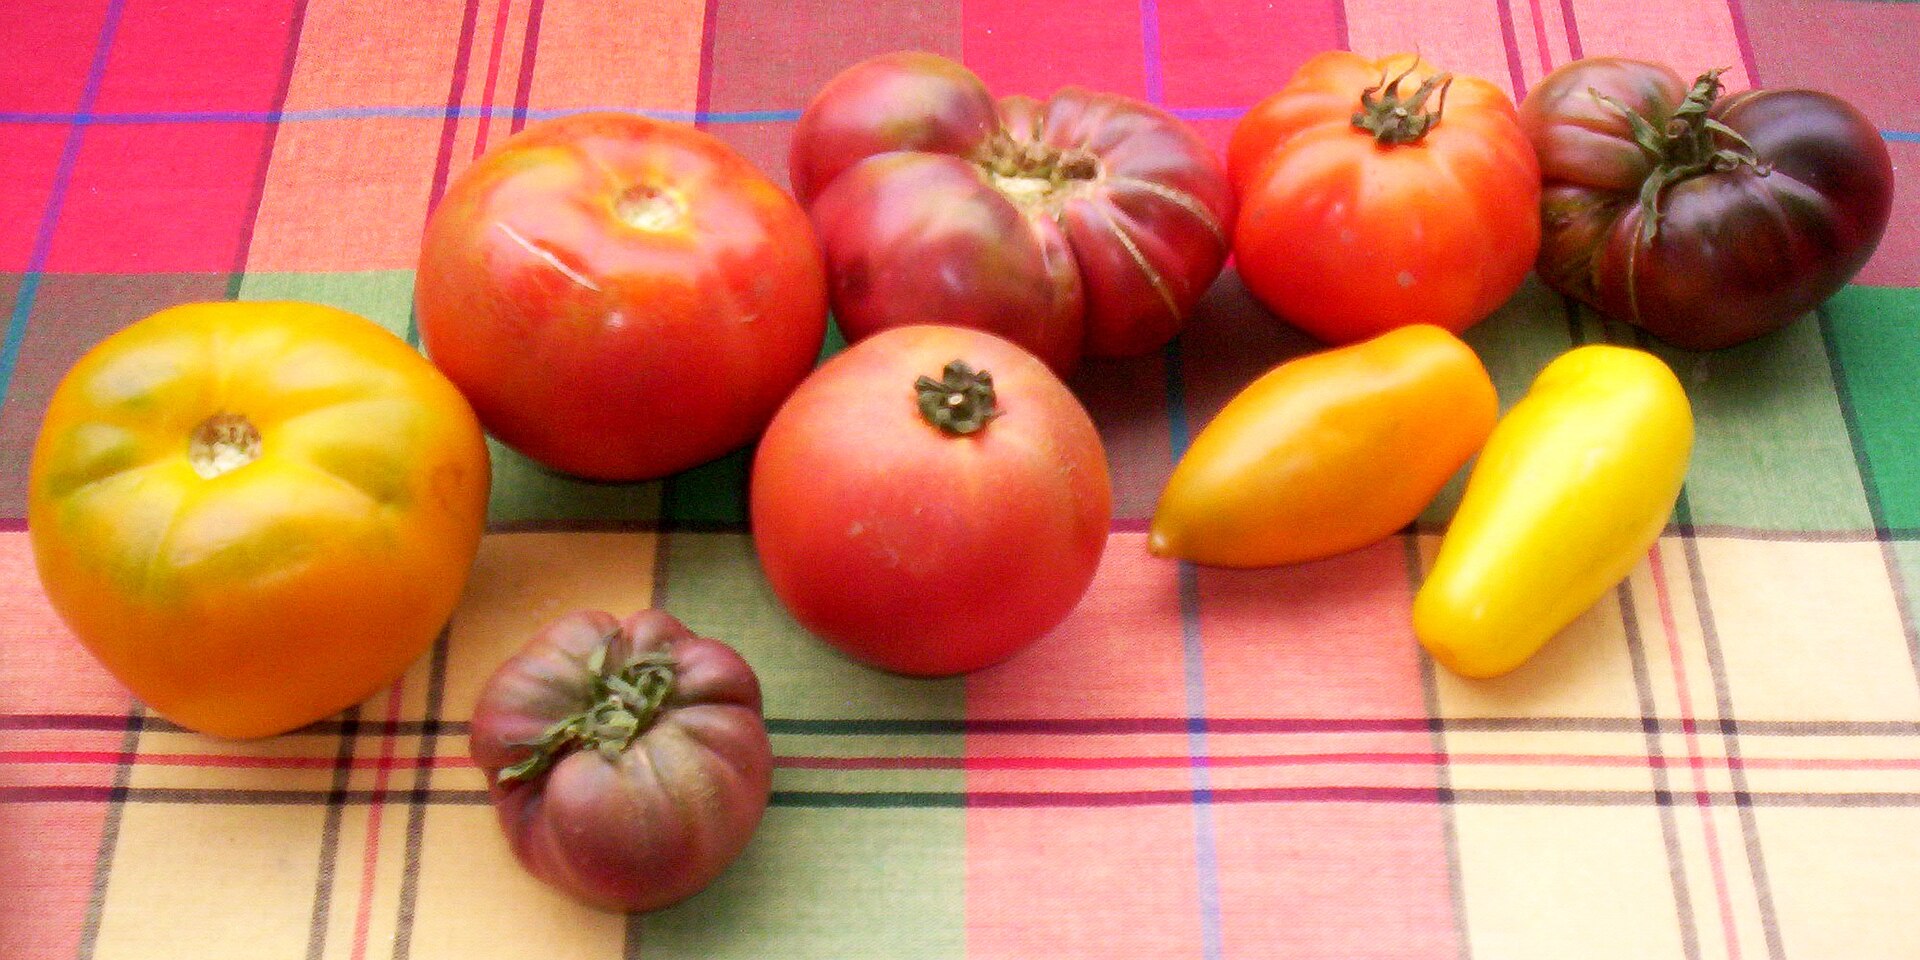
931 500
620 298
1091 222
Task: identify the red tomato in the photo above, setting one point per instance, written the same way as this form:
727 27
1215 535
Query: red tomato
1091 222
620 298
931 500
1380 194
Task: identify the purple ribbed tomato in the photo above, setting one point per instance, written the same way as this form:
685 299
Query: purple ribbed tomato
1706 220
1091 222
627 758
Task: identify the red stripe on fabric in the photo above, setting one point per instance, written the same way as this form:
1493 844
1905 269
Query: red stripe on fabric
1540 37
1572 25
1739 18
456 93
370 854
1359 758
1722 893
529 48
493 75
703 89
1509 35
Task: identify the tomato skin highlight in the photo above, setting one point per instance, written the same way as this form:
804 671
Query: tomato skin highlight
1089 223
1573 488
1741 245
646 824
1346 236
916 550
255 514
620 298
1328 452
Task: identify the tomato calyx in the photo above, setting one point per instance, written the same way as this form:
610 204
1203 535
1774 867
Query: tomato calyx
649 208
1394 120
222 443
1687 146
960 403
623 702
1034 174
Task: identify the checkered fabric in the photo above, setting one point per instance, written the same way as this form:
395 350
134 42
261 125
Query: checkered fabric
1721 760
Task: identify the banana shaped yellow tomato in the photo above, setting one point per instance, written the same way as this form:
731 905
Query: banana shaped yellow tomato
1327 453
1574 486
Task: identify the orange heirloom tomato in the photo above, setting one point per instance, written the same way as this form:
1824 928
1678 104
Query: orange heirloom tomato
255 514
1327 453
1380 193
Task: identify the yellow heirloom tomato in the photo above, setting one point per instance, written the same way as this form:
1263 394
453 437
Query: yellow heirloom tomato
1328 452
255 514
1573 487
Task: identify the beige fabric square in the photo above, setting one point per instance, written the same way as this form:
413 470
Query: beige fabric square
475 901
1566 882
1843 880
1809 630
184 874
523 581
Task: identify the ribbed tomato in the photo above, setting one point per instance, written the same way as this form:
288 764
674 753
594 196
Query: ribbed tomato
1383 193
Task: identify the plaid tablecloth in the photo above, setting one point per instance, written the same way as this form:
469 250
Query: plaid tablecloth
1721 760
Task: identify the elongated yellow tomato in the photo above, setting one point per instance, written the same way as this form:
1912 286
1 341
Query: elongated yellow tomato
1327 453
255 514
1576 483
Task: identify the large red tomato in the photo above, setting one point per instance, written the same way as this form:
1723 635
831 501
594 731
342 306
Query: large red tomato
1377 194
1091 222
931 500
620 298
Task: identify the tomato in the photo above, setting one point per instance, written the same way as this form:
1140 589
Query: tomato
1328 452
255 514
620 298
627 759
1706 220
931 500
1090 223
1382 193
1573 487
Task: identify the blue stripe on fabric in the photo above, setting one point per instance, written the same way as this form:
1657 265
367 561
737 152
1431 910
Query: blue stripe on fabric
56 197
88 118
1150 50
1206 853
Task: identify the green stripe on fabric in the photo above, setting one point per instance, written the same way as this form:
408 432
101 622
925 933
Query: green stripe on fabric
713 583
1876 339
524 492
716 492
1525 334
1770 444
383 296
829 884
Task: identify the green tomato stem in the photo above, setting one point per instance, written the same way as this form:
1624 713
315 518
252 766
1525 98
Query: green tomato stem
622 704
961 402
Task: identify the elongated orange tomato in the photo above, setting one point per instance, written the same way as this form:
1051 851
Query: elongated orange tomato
255 514
1328 453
